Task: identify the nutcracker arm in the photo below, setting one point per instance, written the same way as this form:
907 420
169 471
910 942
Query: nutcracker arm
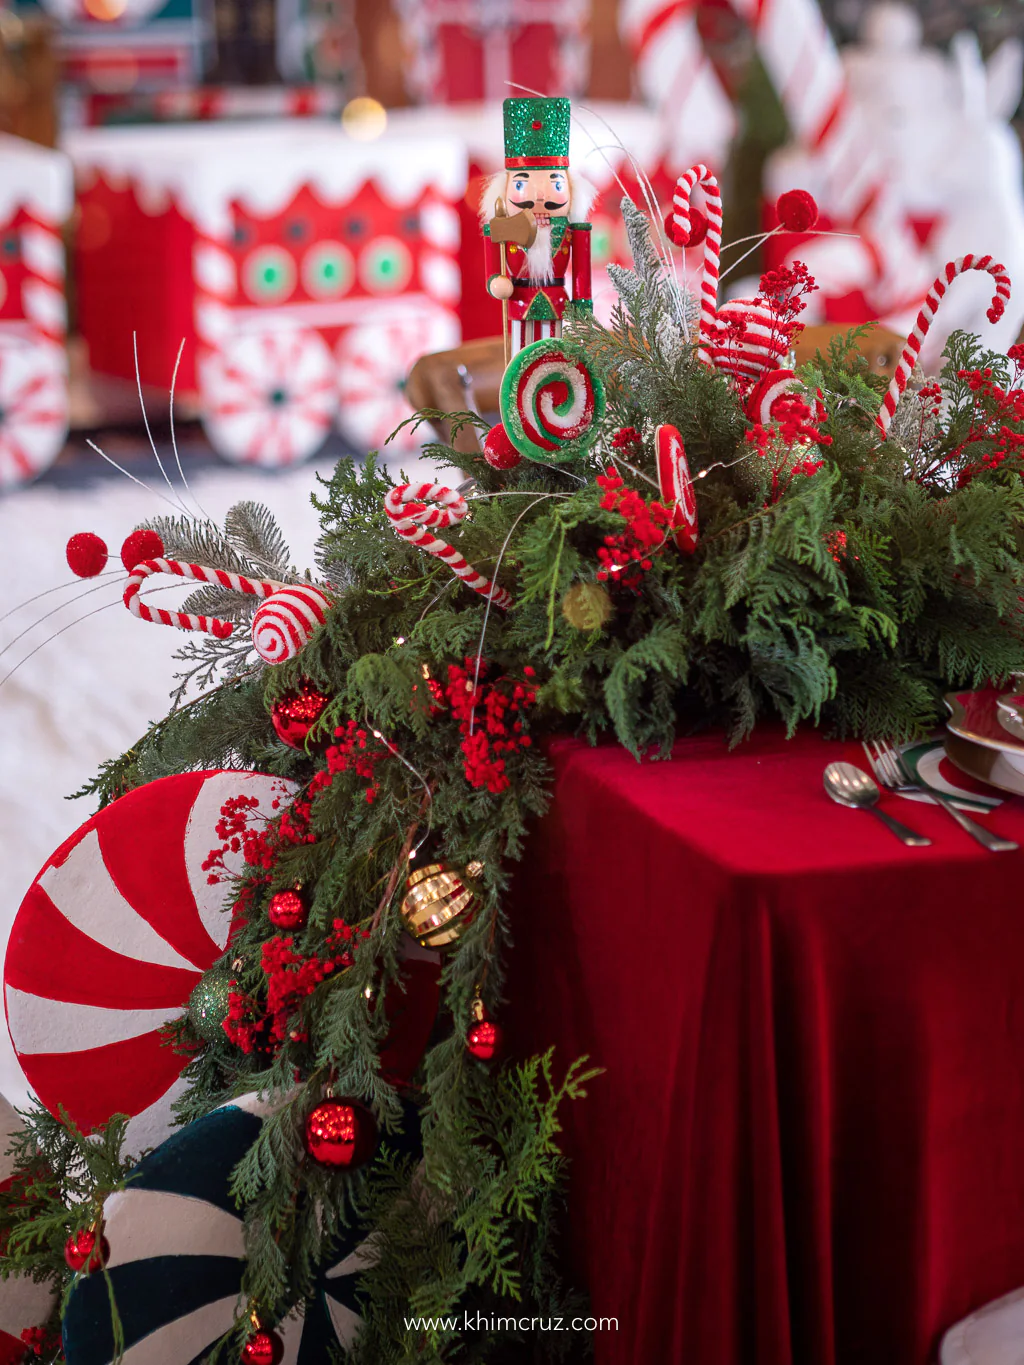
582 288
492 260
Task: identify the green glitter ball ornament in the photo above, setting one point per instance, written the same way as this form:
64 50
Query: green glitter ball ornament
208 1004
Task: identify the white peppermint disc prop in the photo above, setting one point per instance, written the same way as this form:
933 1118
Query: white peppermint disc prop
373 362
285 623
33 406
23 1303
177 1256
268 397
110 941
676 487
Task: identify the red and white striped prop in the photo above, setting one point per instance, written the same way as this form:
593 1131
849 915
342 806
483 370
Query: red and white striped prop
685 185
676 487
756 345
924 322
284 628
804 66
761 400
112 938
286 621
416 509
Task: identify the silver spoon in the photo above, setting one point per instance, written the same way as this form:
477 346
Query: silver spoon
851 786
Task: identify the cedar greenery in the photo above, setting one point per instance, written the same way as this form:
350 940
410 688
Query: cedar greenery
850 597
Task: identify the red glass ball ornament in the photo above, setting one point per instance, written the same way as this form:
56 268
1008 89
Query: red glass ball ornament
287 910
263 1348
341 1133
484 1040
797 210
87 554
85 1251
499 452
294 715
698 229
140 545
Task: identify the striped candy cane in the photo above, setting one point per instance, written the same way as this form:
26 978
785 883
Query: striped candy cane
924 322
212 625
685 185
413 517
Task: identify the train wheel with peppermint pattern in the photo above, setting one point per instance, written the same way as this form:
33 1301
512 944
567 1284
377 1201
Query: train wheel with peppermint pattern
33 406
374 359
269 397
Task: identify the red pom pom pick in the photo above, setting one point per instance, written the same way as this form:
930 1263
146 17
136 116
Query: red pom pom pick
698 229
87 554
140 545
499 452
797 210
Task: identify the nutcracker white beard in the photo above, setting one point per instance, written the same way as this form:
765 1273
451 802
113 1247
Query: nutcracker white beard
539 266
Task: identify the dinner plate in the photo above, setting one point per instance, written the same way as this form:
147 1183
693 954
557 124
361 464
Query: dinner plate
975 717
985 763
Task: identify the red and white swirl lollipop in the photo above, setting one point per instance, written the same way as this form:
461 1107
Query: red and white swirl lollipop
416 509
676 487
110 941
286 621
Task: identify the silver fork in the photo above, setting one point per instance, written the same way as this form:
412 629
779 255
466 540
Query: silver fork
893 774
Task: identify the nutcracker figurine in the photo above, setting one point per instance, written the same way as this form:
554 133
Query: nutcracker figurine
534 238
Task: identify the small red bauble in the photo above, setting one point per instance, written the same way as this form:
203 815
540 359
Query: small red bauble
499 452
140 545
85 1251
698 229
263 1348
294 715
797 210
485 1037
287 910
341 1133
87 554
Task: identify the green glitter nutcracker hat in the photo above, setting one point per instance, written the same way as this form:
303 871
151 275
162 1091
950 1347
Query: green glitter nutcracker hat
536 133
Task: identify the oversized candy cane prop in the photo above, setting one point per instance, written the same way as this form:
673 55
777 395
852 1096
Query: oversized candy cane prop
280 628
413 518
924 322
685 185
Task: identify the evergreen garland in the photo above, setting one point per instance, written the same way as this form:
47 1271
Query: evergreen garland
838 581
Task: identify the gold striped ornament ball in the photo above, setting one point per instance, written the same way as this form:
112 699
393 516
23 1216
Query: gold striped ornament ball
440 903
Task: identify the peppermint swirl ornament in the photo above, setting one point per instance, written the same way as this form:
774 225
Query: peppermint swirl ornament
285 623
551 401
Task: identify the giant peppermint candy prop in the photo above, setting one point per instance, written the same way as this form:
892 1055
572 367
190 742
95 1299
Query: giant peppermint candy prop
551 401
111 939
177 1256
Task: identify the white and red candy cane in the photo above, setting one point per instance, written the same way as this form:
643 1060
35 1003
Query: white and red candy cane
416 509
198 573
924 322
685 185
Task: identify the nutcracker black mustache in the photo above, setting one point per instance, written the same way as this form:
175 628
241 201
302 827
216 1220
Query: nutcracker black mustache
548 203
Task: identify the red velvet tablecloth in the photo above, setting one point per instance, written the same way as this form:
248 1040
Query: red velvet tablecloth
808 1144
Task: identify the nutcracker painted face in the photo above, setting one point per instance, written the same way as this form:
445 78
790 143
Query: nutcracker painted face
537 157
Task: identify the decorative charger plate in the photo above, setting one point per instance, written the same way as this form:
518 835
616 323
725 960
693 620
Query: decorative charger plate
975 717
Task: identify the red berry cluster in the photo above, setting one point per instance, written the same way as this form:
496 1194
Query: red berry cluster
491 719
835 544
260 843
626 557
39 1342
291 977
358 750
795 424
990 432
783 292
628 440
